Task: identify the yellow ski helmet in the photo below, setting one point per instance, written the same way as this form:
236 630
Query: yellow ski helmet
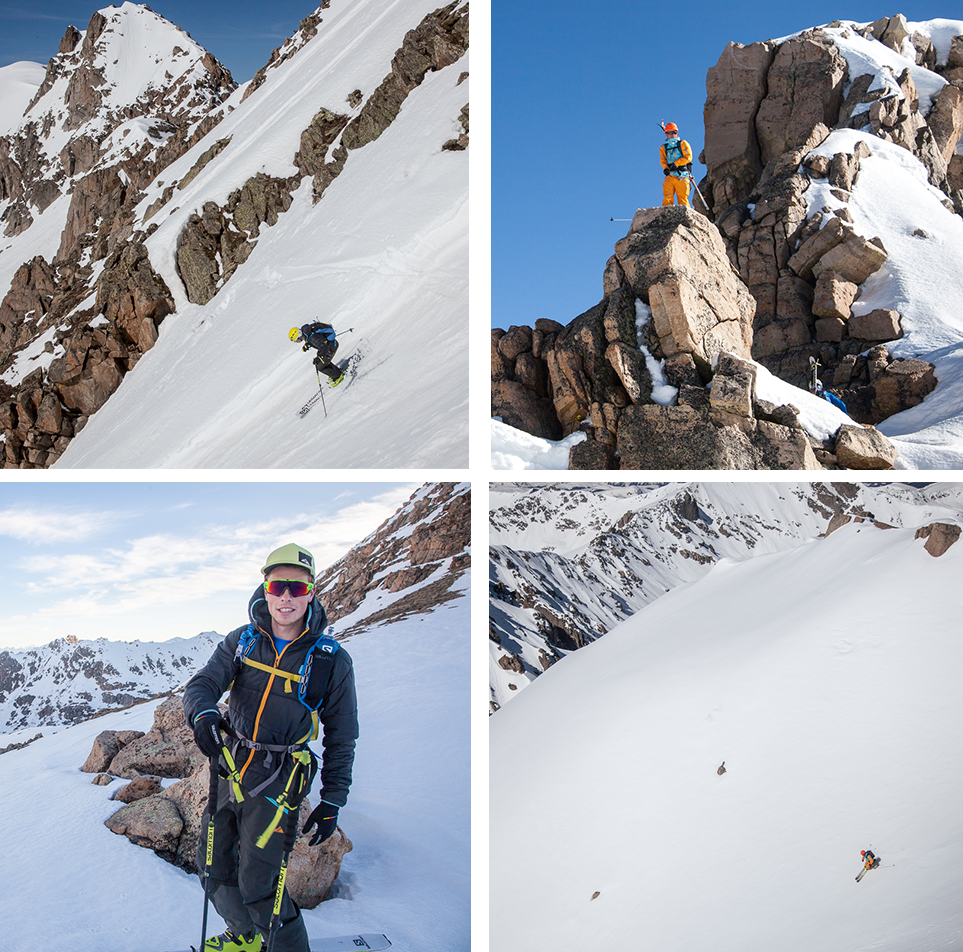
294 334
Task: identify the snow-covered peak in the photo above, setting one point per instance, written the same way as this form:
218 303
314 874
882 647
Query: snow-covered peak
68 680
19 83
132 74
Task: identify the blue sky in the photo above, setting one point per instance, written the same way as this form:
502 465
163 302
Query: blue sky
578 91
240 33
159 560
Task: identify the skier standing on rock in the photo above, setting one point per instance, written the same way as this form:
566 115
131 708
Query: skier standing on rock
323 338
288 681
676 158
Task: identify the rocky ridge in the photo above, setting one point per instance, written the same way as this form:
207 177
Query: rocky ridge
69 681
764 281
567 564
408 565
97 304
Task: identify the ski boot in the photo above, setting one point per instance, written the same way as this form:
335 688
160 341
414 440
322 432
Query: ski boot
334 381
229 942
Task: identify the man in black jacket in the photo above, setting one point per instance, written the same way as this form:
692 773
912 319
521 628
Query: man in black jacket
288 680
323 338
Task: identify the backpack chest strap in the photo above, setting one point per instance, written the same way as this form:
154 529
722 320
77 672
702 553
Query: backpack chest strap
289 676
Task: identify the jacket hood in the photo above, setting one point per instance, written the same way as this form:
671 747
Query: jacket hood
257 611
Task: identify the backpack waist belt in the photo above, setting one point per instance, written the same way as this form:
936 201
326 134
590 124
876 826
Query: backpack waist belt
295 750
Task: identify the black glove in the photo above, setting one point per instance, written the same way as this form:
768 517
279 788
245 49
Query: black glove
325 816
207 733
668 171
305 346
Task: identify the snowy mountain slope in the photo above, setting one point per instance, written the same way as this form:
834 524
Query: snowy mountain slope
114 97
408 816
824 677
393 266
383 250
69 681
19 83
567 563
409 565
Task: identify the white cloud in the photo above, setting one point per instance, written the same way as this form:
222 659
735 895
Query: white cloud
46 526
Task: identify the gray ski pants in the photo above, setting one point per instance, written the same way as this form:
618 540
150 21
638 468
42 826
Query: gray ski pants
244 878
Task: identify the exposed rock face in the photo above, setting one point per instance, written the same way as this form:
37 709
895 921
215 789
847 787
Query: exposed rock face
422 550
169 821
939 537
769 107
674 259
103 168
754 159
592 375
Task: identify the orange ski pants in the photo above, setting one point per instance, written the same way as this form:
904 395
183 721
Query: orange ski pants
673 187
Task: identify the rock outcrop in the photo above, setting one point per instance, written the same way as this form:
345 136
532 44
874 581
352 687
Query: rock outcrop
168 821
804 272
766 279
671 293
939 537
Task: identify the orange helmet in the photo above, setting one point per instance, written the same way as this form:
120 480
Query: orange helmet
671 127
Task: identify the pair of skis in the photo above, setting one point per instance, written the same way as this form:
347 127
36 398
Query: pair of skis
343 942
350 369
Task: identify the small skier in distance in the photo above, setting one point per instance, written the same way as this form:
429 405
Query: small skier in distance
870 860
323 338
676 158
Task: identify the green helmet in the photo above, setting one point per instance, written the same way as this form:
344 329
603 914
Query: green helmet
290 554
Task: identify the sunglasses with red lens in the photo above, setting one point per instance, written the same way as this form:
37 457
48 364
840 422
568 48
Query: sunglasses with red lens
298 588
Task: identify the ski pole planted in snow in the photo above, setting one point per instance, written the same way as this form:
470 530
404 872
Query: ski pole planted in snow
209 853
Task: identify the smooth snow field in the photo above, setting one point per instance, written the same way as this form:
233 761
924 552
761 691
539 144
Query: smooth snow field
72 884
827 679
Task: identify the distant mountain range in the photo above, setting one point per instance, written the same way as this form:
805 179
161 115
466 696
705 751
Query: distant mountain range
569 562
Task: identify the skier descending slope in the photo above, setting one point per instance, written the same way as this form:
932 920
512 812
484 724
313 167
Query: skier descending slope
323 338
287 680
870 861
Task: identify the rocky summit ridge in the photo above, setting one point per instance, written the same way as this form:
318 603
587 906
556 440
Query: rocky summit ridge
754 281
86 181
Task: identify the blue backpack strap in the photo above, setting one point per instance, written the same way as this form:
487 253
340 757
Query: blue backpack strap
323 649
245 644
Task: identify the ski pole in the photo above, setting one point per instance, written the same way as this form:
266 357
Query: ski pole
321 391
289 834
209 854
